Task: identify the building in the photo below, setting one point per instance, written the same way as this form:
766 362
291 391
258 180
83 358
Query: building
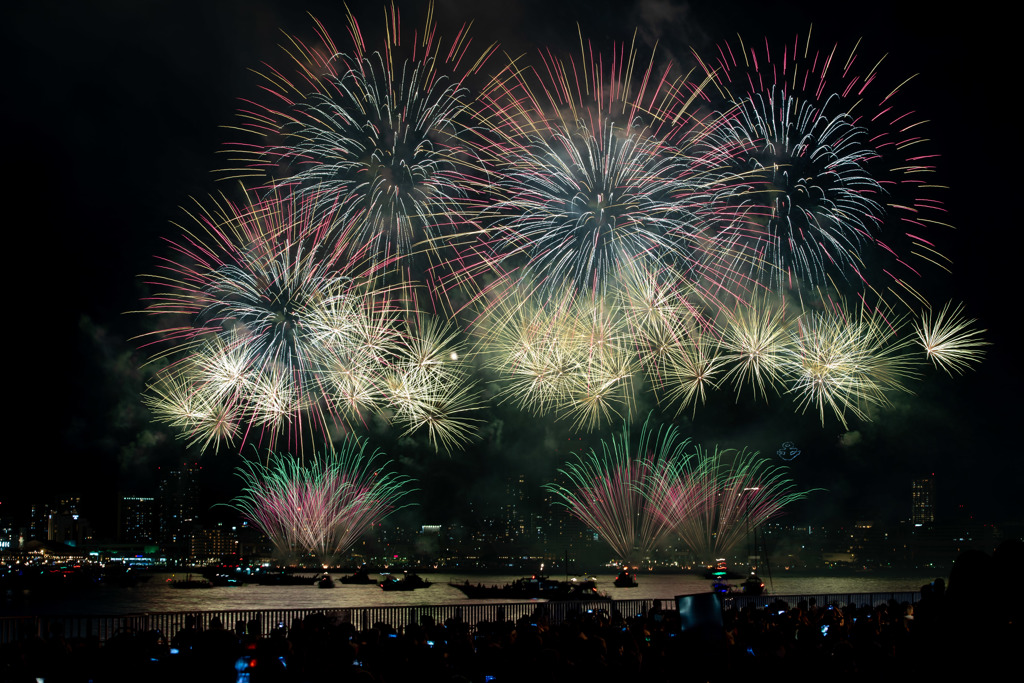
178 508
136 519
9 540
66 524
207 546
922 510
39 522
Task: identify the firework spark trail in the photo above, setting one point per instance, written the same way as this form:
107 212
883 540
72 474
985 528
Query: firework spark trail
381 141
606 492
949 339
724 495
281 340
691 370
836 176
322 506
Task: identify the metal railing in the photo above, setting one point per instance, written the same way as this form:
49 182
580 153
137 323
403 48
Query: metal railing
822 599
262 621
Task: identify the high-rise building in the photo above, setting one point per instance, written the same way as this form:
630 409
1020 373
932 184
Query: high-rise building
514 509
8 535
922 510
66 524
39 523
136 519
178 507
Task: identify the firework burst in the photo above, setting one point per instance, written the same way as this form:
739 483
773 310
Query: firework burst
428 384
692 369
847 362
593 170
281 340
756 343
203 419
379 140
570 356
836 176
950 340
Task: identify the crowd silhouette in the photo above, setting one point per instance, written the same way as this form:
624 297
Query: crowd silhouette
971 625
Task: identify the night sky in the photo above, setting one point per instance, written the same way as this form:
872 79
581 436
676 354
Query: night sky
115 115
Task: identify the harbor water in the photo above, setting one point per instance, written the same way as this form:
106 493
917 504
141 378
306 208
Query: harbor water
157 595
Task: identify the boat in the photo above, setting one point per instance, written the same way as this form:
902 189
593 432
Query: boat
122 575
533 587
325 581
721 572
626 579
225 580
360 577
406 583
752 585
189 583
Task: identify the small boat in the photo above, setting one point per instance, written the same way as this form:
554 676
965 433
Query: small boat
533 587
626 579
225 580
407 583
721 572
361 577
752 585
325 581
189 583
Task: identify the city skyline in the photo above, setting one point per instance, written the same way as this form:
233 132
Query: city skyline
516 528
142 132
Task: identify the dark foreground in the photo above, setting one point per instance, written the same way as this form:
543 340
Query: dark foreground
966 628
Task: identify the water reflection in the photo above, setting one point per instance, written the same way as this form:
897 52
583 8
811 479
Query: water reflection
156 595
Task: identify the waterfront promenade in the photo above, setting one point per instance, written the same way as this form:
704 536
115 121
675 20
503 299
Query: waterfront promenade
886 637
104 626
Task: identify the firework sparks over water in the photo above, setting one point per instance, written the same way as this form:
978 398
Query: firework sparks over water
607 491
319 506
720 497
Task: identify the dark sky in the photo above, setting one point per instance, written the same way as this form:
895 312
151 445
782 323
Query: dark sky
114 113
